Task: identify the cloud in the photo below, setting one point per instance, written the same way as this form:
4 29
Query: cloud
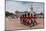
22 6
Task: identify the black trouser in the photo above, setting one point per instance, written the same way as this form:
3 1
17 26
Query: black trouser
32 23
24 22
35 21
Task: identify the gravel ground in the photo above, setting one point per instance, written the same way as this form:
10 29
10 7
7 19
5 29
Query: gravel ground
13 24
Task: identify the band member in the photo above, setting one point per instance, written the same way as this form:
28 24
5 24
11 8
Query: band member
24 20
28 19
21 19
31 21
35 20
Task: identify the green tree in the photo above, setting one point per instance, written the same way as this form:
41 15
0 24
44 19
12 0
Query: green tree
8 13
41 13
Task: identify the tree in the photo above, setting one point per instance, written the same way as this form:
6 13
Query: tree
41 13
8 13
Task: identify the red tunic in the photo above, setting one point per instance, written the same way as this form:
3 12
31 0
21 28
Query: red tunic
30 17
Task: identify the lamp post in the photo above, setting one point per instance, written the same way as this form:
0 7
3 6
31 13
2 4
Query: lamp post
32 12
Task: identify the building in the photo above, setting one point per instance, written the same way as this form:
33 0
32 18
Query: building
18 14
25 12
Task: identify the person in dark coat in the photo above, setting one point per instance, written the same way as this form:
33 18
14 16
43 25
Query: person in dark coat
28 19
24 19
35 20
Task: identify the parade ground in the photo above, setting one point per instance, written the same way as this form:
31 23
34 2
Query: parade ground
14 24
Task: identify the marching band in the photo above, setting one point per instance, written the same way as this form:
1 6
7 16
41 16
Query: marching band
28 20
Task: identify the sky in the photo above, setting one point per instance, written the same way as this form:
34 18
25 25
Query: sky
12 6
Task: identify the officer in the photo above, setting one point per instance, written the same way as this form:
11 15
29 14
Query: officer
24 19
35 20
32 23
28 19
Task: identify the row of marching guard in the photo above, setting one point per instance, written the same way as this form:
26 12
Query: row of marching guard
28 20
